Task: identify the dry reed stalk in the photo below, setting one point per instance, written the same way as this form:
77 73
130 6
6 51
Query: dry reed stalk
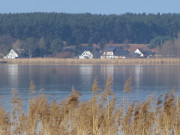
97 116
17 112
69 61
178 116
119 117
167 117
54 121
4 122
136 125
146 117
158 112
127 120
72 102
32 87
95 88
107 91
74 99
169 111
17 102
127 87
38 114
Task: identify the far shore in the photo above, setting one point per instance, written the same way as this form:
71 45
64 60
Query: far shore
70 61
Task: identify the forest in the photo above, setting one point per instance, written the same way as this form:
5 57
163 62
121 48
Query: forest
47 33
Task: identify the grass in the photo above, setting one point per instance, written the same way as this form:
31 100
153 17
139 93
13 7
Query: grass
99 116
141 61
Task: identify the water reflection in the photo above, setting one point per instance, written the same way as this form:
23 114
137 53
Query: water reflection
138 72
107 71
86 74
12 71
85 70
57 80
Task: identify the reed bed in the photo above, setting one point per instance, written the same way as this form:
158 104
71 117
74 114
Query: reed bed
101 115
130 61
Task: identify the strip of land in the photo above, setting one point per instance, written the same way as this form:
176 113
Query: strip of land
59 61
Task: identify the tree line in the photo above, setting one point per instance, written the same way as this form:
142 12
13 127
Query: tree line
44 33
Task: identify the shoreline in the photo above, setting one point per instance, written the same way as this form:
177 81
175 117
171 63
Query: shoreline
68 61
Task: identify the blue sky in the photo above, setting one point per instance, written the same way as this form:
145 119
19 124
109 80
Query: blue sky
90 6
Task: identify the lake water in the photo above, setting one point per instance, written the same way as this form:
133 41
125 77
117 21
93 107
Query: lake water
57 80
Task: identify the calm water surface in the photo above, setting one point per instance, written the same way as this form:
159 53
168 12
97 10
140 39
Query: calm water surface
57 80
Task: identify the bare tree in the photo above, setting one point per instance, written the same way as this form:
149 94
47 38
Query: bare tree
170 48
177 46
30 45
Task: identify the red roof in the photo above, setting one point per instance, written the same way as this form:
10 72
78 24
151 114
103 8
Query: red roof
94 45
153 50
129 47
121 45
133 47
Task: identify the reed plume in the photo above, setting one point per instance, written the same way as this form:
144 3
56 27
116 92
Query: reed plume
127 86
32 87
100 115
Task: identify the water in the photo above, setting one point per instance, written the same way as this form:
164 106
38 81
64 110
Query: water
57 80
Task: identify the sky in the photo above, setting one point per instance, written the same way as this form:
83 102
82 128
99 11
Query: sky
91 6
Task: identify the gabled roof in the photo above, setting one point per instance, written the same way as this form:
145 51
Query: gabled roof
133 47
84 45
146 53
116 45
117 50
141 50
83 50
120 52
153 50
110 49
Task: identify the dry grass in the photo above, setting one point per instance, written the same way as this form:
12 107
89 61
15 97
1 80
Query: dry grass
98 116
141 61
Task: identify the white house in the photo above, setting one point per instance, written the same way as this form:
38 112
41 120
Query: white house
86 55
140 52
18 53
115 53
108 53
11 55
